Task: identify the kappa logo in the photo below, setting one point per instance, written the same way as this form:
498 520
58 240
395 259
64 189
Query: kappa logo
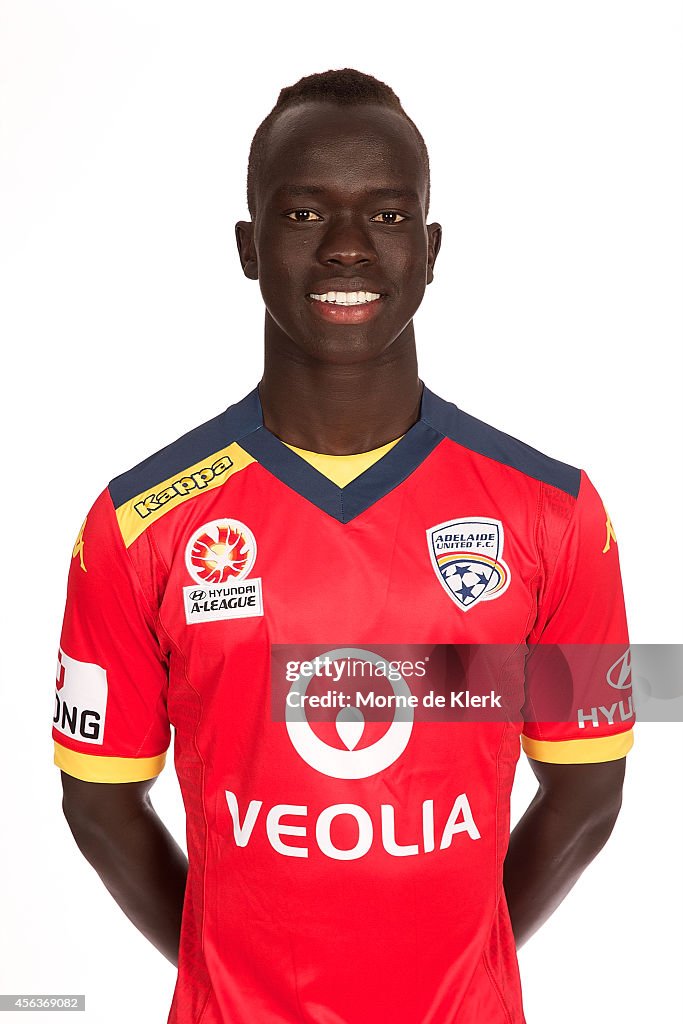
349 763
181 487
611 536
467 556
79 545
218 556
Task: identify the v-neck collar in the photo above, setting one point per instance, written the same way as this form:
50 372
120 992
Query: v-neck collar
342 503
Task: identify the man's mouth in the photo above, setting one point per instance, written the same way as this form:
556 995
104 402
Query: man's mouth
346 307
346 298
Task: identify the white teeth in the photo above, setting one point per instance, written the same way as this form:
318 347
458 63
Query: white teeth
347 298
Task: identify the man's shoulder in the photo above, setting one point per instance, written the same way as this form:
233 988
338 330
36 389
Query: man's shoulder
200 451
493 443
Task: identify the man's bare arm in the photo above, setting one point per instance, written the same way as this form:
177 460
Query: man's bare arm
566 824
119 833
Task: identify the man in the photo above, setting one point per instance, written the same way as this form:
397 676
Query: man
342 868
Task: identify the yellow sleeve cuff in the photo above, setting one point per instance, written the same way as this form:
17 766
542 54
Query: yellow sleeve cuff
588 751
96 768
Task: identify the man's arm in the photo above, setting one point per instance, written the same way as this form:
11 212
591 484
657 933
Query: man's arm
119 833
566 824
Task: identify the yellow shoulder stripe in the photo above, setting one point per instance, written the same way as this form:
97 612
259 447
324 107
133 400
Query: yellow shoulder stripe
95 768
147 507
588 751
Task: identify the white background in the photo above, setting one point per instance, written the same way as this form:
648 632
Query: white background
555 136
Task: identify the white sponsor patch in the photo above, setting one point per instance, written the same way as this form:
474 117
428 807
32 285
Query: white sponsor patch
229 601
80 699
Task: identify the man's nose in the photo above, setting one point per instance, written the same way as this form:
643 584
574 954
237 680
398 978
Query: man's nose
346 244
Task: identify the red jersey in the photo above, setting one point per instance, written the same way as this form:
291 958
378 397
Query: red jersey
346 870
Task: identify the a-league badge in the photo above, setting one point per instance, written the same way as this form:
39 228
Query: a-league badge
219 557
467 555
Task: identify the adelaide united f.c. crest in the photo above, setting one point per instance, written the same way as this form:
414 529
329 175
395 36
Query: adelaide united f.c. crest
467 555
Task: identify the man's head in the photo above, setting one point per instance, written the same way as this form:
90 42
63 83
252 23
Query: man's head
346 88
338 190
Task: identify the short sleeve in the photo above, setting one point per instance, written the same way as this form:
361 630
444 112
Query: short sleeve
579 705
110 721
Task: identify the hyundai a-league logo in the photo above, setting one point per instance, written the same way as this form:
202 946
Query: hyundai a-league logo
619 674
467 555
222 551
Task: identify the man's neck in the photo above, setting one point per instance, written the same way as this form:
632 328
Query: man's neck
340 409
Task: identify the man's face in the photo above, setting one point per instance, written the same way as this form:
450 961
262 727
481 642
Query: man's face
339 242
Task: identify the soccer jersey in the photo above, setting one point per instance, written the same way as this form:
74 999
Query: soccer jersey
345 859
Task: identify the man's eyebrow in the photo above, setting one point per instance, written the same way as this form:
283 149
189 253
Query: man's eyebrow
394 193
302 190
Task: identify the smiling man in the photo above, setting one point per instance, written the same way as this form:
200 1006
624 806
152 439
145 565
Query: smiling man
346 522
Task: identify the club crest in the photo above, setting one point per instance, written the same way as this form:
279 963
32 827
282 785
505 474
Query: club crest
467 555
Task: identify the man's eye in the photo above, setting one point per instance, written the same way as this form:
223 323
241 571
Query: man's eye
303 216
388 217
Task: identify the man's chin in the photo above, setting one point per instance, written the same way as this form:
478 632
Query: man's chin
338 344
352 347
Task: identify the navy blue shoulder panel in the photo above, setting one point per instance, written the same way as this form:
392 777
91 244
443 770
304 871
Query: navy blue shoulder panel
243 422
479 437
235 422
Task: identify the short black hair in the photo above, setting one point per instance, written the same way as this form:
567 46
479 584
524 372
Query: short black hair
347 87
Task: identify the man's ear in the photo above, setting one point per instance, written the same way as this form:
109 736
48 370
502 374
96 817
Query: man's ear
244 234
434 244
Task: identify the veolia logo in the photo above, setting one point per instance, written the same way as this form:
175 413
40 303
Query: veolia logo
373 827
349 763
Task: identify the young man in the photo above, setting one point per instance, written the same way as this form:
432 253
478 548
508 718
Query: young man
344 870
